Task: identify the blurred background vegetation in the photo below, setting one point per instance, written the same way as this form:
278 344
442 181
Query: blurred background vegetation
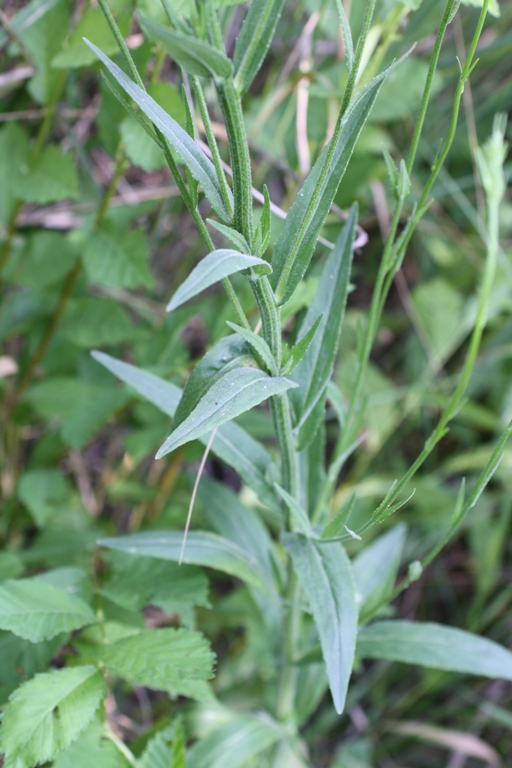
93 240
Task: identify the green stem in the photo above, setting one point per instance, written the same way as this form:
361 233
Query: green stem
354 72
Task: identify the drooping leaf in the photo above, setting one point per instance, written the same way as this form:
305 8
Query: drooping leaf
46 714
196 56
325 575
161 659
202 548
291 240
211 269
201 168
235 743
37 611
234 393
314 371
254 40
232 444
434 645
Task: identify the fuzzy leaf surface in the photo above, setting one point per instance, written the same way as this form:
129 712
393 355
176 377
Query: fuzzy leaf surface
202 548
201 168
37 611
434 645
196 56
236 392
291 238
235 743
254 40
214 267
325 575
314 370
232 444
46 714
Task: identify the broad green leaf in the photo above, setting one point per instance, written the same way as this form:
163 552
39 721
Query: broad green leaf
161 659
235 743
50 177
201 168
46 259
195 56
259 346
303 245
15 154
93 25
21 659
92 750
117 257
234 393
314 371
325 575
11 565
375 567
436 646
158 750
202 548
42 30
42 491
37 611
91 321
46 714
254 40
214 267
232 444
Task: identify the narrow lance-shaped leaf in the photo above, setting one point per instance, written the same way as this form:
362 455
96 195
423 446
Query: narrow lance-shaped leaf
206 549
258 344
201 168
38 611
232 444
214 267
436 646
299 349
236 392
235 743
325 575
314 371
196 56
294 240
254 40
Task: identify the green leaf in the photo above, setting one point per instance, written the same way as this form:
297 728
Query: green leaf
158 750
179 759
291 239
42 31
52 176
234 393
161 659
201 168
263 230
259 345
92 750
235 743
436 646
254 40
231 234
232 444
202 548
48 712
117 257
314 371
42 491
211 269
21 659
15 154
325 575
299 349
37 611
494 8
375 567
90 321
337 526
93 25
298 513
195 56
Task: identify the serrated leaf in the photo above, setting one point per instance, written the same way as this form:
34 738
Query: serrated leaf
314 371
291 239
117 258
434 645
202 548
46 714
325 575
52 176
258 344
201 168
235 743
232 444
254 40
233 394
92 750
38 611
214 267
157 753
21 659
196 56
161 659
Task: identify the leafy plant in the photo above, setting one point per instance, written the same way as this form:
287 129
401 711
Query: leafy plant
315 595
